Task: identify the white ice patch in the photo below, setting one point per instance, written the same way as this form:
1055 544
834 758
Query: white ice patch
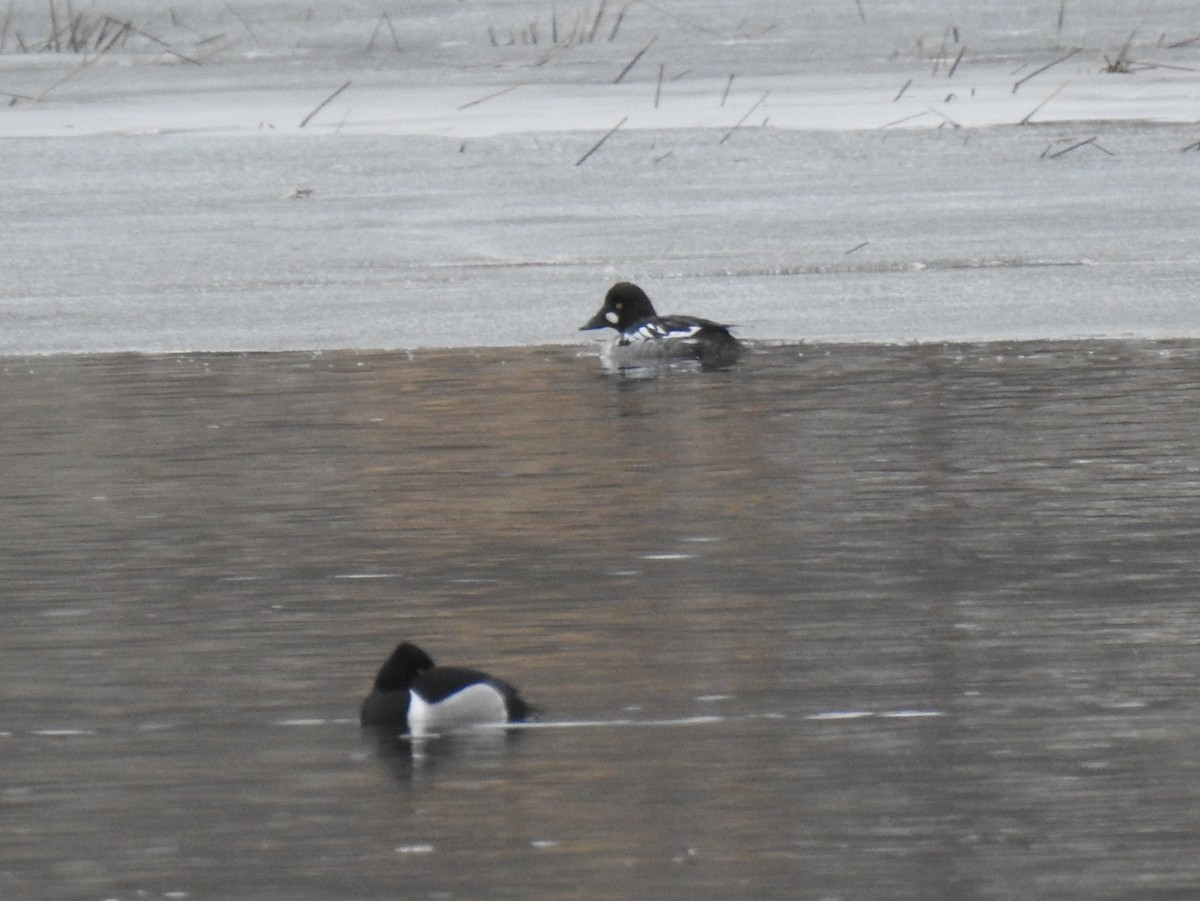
909 714
840 715
864 714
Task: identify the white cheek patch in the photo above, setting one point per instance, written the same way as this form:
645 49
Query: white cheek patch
612 316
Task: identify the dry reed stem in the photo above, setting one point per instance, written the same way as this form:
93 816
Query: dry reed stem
86 64
5 24
1061 59
1075 146
957 60
241 21
490 96
324 103
745 116
167 47
380 22
1047 155
728 85
612 34
633 62
54 28
1051 96
608 134
596 22
905 119
946 119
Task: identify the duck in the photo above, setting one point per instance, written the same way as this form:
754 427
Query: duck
411 693
644 337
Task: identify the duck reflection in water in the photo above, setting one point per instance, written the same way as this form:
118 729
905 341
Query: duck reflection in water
406 757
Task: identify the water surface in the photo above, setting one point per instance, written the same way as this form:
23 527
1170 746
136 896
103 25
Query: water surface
844 622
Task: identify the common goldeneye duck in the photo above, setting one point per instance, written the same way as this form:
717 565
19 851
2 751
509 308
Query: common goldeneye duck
412 693
644 336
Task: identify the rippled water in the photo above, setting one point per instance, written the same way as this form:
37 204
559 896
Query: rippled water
845 622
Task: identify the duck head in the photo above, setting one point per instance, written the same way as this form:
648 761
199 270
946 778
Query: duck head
624 305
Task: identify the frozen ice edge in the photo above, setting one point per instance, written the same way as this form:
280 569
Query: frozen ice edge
371 105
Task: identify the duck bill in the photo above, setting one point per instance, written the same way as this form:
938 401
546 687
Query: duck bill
597 321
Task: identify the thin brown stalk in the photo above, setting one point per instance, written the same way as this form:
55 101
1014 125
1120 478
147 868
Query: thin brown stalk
1061 59
120 35
241 21
324 103
93 37
554 51
1121 63
608 134
1034 111
52 42
101 31
947 119
745 116
596 22
633 62
728 85
392 31
87 63
167 47
612 34
75 29
1075 146
683 20
957 60
494 94
5 24
905 119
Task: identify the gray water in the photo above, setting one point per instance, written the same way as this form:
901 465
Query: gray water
857 622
